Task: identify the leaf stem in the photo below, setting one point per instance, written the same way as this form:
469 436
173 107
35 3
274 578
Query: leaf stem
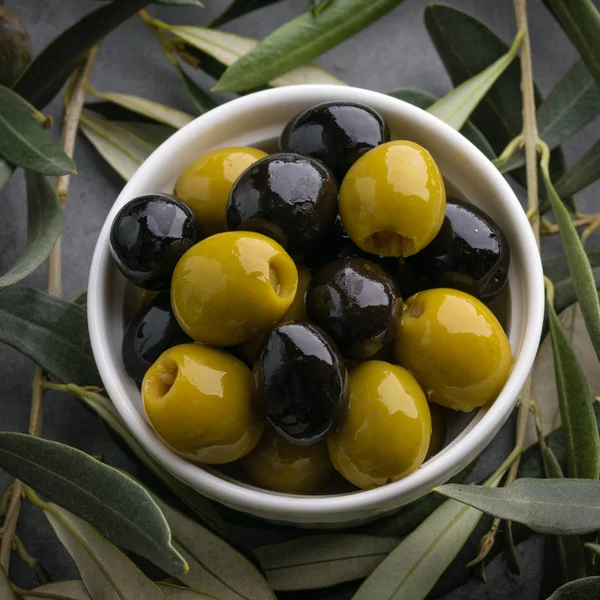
54 287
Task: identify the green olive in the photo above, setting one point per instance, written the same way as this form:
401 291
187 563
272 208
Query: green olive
455 347
231 287
387 429
199 400
205 184
278 465
392 200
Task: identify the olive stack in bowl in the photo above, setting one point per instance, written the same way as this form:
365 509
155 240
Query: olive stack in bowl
313 308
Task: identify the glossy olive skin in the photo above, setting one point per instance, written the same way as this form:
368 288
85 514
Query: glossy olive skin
356 302
206 183
153 330
337 244
301 381
392 199
388 427
231 287
277 465
470 253
200 401
336 133
454 346
288 197
149 235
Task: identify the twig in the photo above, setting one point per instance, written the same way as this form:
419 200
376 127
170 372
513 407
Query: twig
54 287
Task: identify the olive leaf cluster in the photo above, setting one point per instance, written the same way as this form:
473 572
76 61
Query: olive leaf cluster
104 518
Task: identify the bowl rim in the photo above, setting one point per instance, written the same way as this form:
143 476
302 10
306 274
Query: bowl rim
317 508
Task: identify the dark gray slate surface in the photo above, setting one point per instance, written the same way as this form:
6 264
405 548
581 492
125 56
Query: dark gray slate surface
394 52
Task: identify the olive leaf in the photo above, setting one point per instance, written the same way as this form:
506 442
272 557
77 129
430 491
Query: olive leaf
579 265
582 589
510 549
581 174
147 108
593 547
201 507
412 569
229 48
301 40
171 2
200 99
70 589
549 506
456 107
117 506
46 75
571 104
124 146
44 224
23 141
424 100
580 20
6 591
106 572
320 561
557 268
50 331
176 592
6 172
215 567
239 8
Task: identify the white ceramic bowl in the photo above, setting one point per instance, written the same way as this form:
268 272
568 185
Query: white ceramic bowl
257 120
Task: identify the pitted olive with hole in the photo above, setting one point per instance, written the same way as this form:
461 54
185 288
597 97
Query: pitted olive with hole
291 198
387 429
277 465
199 400
357 303
301 381
470 253
336 133
231 287
455 347
392 199
206 183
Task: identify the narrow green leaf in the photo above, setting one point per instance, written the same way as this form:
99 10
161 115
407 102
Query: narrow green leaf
202 508
239 8
424 100
122 149
176 592
113 503
44 224
200 99
50 331
549 506
456 107
319 561
594 548
575 402
413 568
510 550
300 41
171 2
579 265
229 48
557 269
106 572
147 108
71 589
6 172
581 174
580 20
215 567
6 591
571 104
24 143
582 589
46 75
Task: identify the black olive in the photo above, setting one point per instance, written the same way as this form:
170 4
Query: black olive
149 235
337 244
336 133
356 302
153 330
302 382
470 253
290 198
